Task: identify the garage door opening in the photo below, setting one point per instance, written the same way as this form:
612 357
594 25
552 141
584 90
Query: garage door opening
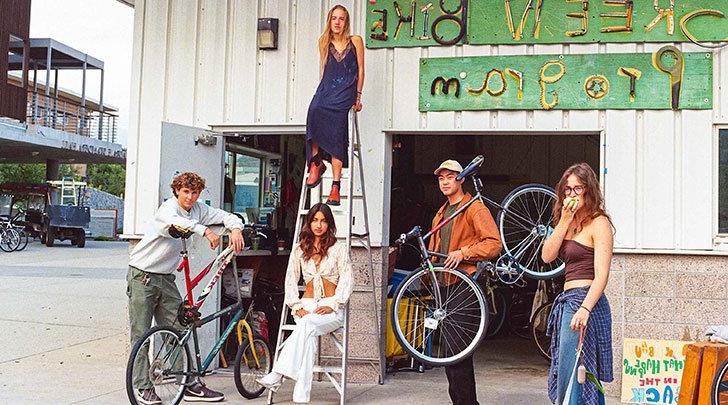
510 161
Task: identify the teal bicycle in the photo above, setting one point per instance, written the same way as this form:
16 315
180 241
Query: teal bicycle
162 360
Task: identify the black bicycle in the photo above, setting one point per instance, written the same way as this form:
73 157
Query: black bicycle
439 315
12 234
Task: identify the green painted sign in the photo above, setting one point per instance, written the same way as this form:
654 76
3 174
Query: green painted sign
587 21
666 79
411 23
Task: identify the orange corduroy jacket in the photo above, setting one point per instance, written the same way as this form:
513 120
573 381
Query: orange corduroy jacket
473 232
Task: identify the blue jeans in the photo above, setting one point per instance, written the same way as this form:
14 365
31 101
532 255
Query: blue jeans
568 342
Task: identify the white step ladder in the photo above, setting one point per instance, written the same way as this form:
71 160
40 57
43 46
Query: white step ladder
343 214
68 191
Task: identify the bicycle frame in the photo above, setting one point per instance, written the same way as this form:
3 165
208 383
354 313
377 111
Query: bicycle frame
190 284
237 320
477 197
478 184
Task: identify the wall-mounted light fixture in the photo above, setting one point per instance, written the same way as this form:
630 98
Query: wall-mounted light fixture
206 139
267 33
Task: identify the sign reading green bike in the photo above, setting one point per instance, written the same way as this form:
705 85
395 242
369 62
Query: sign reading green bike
407 23
665 79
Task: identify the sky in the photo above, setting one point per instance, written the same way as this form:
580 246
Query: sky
102 29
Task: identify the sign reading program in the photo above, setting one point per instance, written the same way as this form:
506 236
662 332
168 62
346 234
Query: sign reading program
666 79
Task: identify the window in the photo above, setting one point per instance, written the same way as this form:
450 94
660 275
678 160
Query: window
723 181
16 61
247 185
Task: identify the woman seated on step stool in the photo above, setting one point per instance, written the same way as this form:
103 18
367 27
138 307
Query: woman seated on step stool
326 269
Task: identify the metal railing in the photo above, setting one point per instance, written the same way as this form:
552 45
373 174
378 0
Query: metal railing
71 117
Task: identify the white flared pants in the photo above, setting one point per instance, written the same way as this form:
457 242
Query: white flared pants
298 353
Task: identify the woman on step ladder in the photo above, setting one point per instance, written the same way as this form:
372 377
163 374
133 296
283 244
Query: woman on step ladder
342 79
326 269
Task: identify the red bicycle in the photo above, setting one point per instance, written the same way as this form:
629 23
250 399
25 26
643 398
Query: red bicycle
162 358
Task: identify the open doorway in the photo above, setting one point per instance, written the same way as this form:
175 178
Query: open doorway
263 174
510 161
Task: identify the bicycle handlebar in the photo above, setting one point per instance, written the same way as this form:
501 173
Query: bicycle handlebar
405 237
178 232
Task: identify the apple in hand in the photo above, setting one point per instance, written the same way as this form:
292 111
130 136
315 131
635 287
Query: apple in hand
571 202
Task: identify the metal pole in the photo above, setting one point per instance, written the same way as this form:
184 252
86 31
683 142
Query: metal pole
82 112
48 83
55 100
34 105
101 106
48 72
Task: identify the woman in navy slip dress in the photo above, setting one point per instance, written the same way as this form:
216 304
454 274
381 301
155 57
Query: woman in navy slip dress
327 122
583 238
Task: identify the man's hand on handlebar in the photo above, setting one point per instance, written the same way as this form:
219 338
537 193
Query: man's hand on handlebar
236 240
213 238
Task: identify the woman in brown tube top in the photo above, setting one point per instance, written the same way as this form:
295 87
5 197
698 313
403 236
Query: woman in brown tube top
583 239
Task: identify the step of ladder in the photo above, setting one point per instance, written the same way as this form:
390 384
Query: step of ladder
349 229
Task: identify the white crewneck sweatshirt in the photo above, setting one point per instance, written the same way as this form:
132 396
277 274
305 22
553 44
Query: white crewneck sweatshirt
158 252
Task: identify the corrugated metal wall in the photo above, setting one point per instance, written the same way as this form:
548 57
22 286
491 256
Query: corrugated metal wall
196 63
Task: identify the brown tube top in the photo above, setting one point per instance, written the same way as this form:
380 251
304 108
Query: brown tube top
579 260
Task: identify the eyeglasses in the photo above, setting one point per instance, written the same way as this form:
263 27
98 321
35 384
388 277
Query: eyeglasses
576 189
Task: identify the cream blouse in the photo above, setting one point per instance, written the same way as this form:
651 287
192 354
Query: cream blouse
335 267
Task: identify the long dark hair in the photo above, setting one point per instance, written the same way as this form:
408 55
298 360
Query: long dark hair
591 200
308 238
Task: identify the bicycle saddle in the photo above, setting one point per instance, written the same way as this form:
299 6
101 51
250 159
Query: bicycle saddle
177 232
471 168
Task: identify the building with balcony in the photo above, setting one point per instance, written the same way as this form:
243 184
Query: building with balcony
41 122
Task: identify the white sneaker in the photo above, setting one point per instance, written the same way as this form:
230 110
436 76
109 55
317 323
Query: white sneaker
271 381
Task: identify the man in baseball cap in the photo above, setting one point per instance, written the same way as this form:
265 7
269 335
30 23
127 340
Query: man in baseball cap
450 164
471 236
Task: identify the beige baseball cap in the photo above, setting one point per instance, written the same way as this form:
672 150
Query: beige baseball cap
449 165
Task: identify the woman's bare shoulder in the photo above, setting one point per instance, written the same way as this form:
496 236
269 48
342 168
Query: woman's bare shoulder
601 225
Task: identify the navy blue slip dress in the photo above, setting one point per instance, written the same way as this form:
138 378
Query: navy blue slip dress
327 123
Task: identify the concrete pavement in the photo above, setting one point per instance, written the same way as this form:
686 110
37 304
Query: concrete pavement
64 340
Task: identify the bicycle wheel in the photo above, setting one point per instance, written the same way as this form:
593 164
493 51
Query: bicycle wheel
719 389
161 362
539 322
247 369
524 224
497 311
9 240
439 332
23 240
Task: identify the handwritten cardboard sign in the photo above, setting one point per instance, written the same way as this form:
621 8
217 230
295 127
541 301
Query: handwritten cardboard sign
651 371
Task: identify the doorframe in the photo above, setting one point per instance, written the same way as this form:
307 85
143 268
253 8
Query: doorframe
390 133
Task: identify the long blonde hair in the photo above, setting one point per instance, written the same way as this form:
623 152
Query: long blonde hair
325 38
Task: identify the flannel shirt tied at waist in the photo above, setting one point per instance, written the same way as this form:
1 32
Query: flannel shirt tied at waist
597 350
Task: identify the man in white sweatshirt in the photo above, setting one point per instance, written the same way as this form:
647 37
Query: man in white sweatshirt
151 288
